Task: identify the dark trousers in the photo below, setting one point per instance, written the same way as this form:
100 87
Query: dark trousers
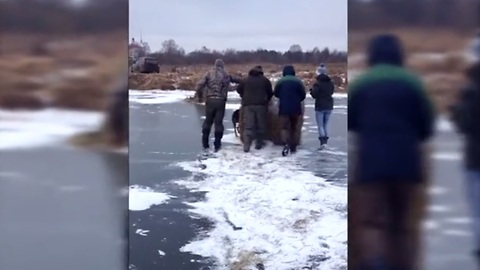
384 212
255 122
118 118
289 131
214 113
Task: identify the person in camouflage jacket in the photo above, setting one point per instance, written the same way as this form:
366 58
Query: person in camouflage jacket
213 88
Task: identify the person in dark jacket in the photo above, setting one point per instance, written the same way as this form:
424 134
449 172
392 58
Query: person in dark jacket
117 121
465 115
322 92
256 92
391 116
213 87
290 92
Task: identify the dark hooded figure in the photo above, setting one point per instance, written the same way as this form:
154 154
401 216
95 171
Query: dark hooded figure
256 92
213 88
290 92
391 116
117 121
465 115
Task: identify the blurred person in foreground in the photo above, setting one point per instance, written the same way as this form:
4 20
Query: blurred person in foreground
290 92
465 115
391 116
322 92
256 93
213 88
117 121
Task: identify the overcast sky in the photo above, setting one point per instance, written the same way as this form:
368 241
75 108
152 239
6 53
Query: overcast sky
241 24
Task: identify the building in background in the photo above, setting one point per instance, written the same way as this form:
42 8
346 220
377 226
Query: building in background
138 49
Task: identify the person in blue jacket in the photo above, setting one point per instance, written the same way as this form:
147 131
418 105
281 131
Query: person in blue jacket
391 116
290 92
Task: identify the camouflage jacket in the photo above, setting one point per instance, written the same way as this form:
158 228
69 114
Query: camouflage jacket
214 84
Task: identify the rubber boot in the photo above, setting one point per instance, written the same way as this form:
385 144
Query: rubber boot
246 146
259 143
293 148
217 143
286 150
205 135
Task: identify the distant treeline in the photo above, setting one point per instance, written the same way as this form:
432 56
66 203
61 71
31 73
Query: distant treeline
457 14
61 17
172 54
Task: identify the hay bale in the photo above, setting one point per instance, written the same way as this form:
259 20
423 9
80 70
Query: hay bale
273 125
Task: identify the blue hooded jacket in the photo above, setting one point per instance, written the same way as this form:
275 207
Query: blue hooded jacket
290 92
390 112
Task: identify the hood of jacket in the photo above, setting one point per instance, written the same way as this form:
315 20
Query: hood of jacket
219 63
385 49
288 70
256 71
323 78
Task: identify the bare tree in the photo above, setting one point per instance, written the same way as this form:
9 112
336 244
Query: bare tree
295 48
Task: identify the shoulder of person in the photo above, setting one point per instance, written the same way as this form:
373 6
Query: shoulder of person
299 80
470 91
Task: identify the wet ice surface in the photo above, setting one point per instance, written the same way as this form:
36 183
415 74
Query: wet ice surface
448 228
57 202
234 210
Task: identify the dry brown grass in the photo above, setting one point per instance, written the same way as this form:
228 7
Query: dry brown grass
186 77
70 72
434 54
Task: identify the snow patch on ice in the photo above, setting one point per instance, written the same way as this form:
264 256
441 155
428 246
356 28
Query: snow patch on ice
448 156
267 210
142 198
27 129
157 96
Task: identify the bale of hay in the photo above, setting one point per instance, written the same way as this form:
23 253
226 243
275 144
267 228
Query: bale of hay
273 125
